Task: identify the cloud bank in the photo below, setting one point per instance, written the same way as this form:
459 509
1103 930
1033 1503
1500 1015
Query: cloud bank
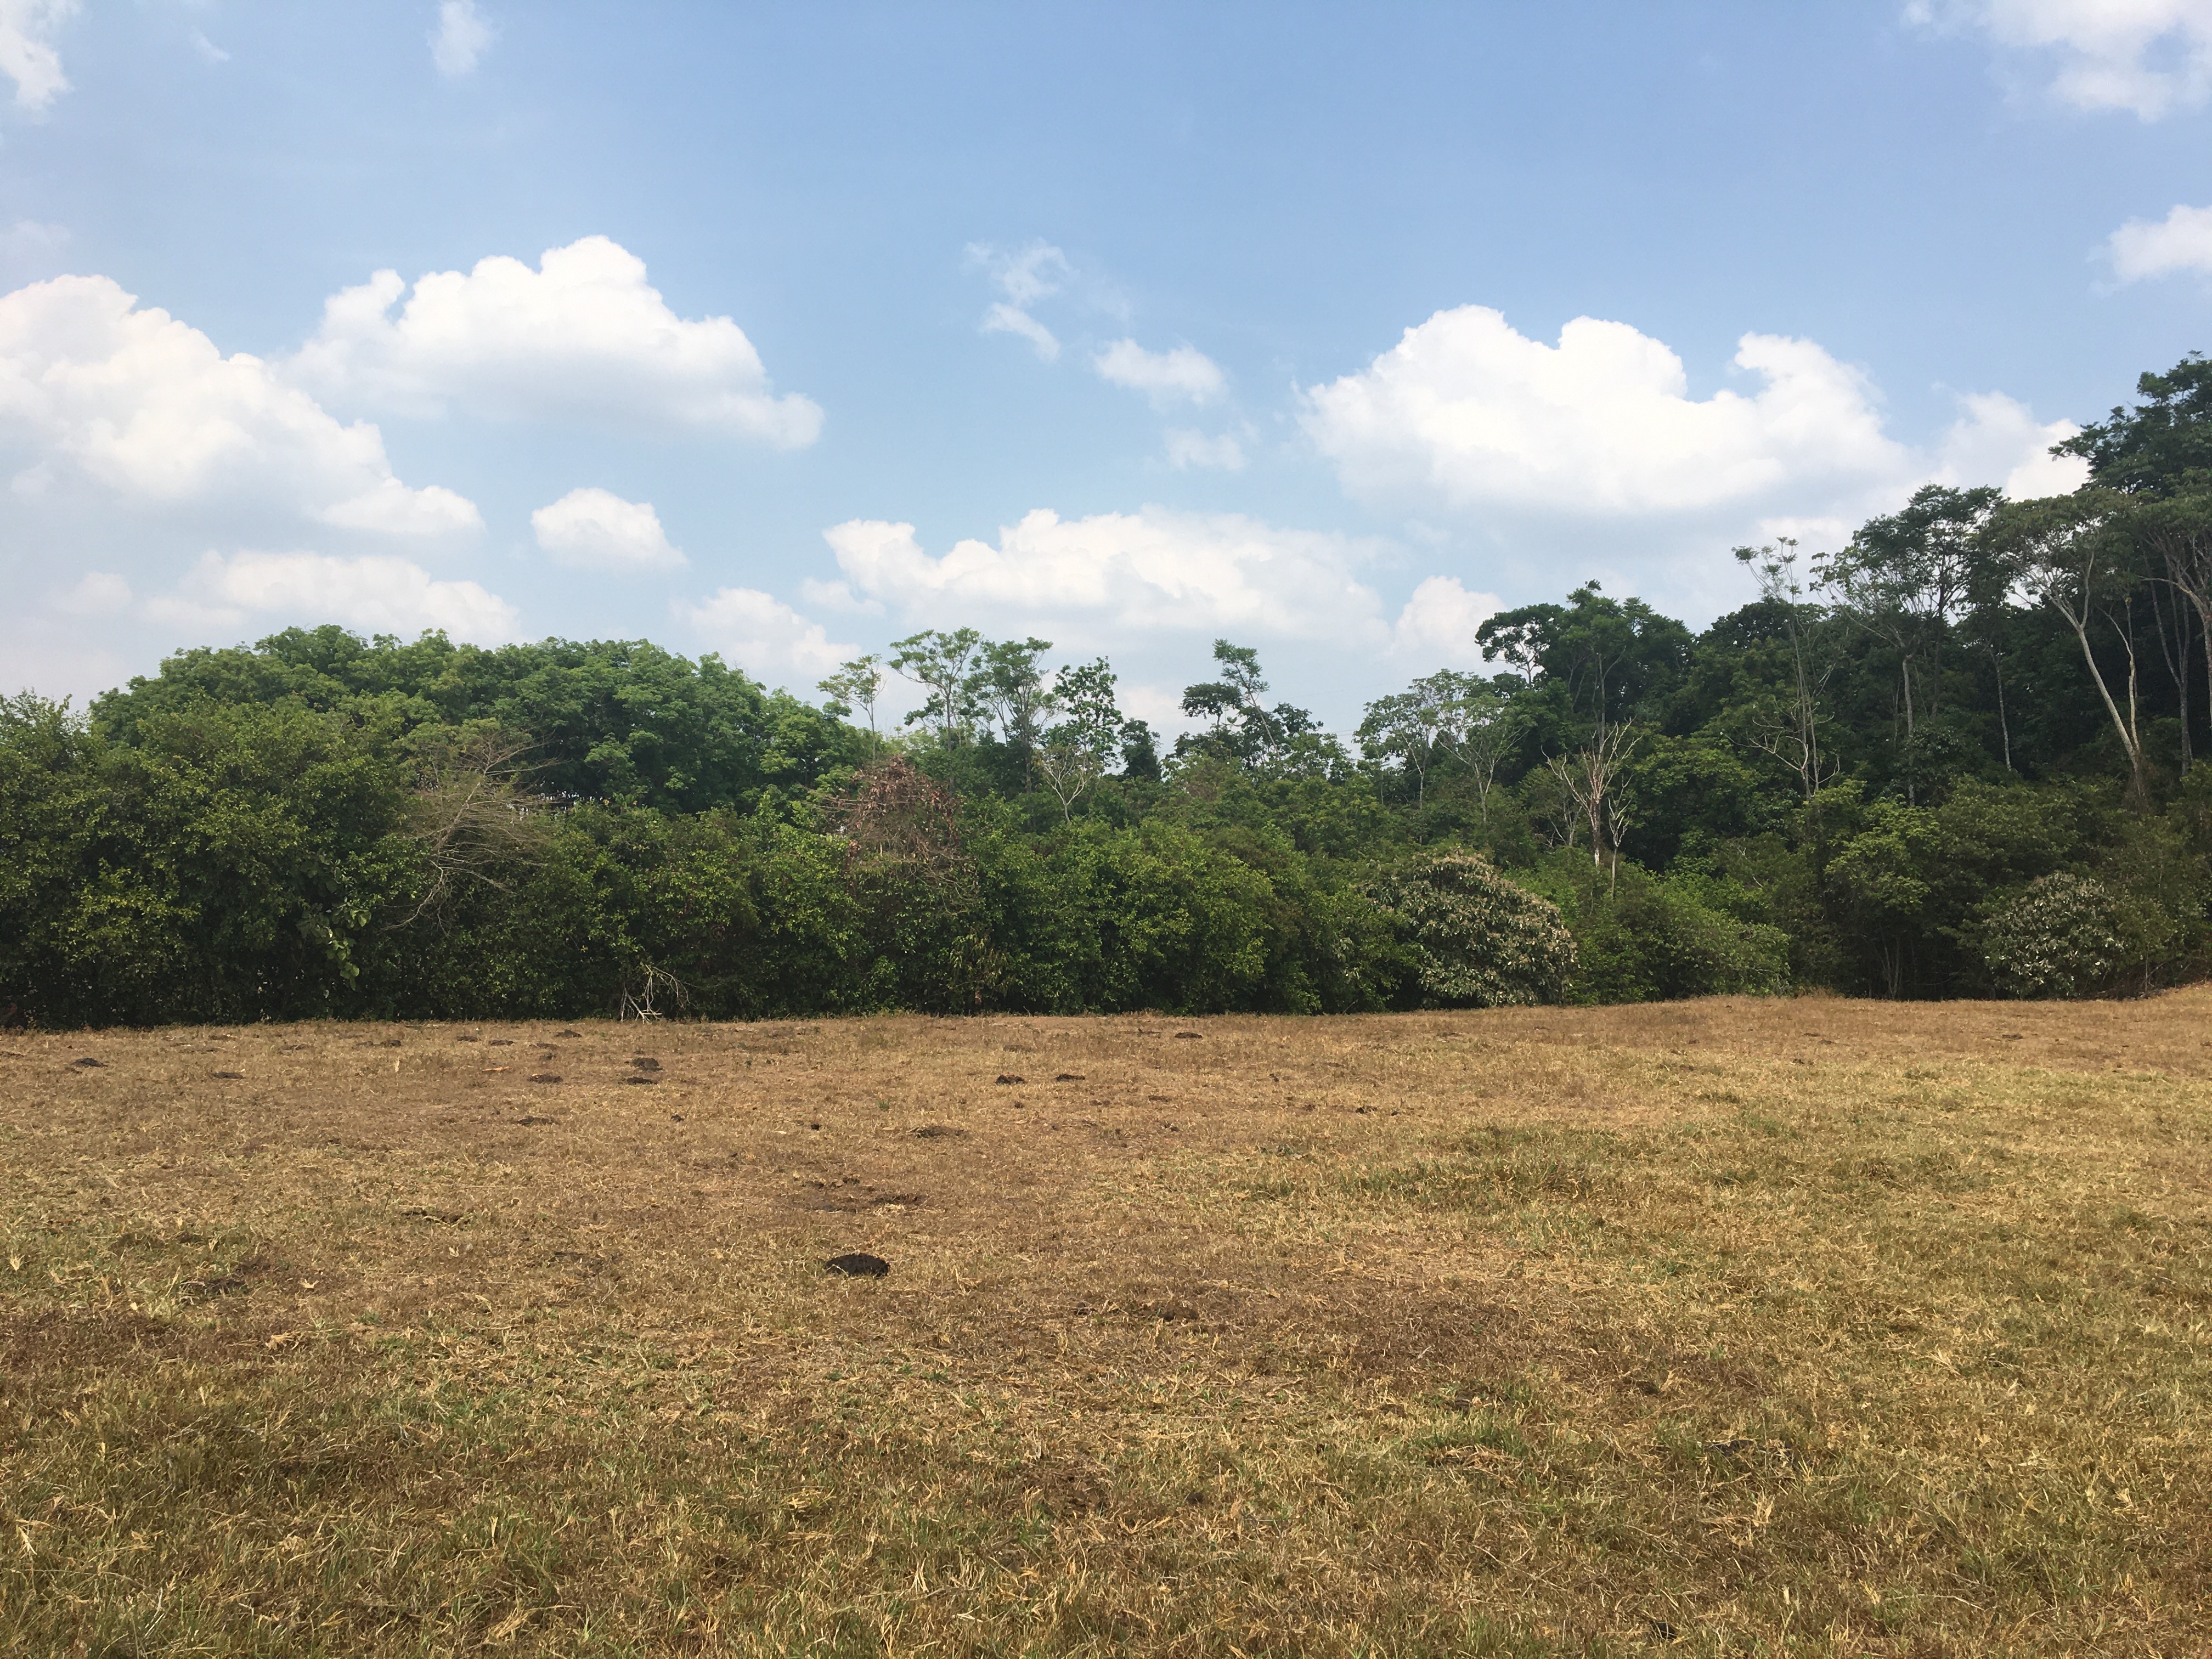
1115 573
376 595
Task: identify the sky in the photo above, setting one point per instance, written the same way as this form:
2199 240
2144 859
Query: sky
785 331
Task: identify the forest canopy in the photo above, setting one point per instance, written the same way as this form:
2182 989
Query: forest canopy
1968 753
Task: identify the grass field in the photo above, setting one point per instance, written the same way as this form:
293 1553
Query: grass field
1805 1326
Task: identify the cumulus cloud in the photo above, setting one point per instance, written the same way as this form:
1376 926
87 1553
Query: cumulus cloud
377 595
27 54
1466 412
1188 448
460 38
2182 241
1590 457
1997 440
96 390
598 530
1183 373
760 634
1438 622
2149 57
1114 573
1022 278
1466 415
583 337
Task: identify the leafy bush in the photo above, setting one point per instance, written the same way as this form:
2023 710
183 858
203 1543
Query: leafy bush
1641 937
2058 937
1475 939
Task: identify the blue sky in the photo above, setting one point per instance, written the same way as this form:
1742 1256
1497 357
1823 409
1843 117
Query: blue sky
1328 329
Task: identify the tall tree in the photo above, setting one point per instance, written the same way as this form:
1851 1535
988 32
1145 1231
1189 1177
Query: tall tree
941 663
1906 578
1240 727
2072 553
857 684
1077 751
2151 449
1010 687
1601 658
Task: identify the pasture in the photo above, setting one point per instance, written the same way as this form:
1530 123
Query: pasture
1727 1327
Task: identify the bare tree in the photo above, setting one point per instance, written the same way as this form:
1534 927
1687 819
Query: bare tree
1590 779
644 987
470 817
1790 731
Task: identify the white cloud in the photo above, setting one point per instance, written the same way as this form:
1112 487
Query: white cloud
1115 573
379 595
1188 449
460 38
97 593
584 336
838 596
1438 622
2149 56
2182 241
143 408
27 55
760 634
1182 372
1551 464
209 51
598 530
1997 440
1468 415
1023 278
1465 412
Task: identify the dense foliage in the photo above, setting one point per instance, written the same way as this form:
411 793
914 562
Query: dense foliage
1960 755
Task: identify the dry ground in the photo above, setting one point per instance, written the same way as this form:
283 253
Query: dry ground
1729 1326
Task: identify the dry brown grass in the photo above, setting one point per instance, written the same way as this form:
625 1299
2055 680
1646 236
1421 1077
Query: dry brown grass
1740 1326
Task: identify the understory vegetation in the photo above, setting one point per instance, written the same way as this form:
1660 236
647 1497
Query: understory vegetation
1960 756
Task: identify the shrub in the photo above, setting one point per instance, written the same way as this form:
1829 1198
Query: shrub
1641 937
1475 939
2058 937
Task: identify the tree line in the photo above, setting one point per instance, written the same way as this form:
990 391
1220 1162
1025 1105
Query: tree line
1968 753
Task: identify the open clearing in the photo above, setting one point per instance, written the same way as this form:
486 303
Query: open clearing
1729 1327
